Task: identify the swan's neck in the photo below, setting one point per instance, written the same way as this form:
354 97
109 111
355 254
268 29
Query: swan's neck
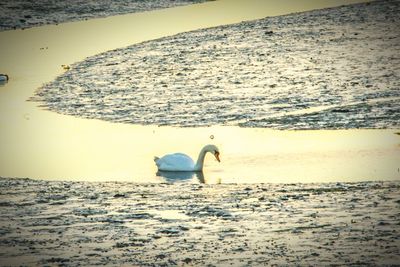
200 160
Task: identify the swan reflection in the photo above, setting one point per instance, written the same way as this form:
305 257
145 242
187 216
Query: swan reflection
172 177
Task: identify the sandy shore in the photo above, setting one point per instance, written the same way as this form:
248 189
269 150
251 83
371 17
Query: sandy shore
80 223
24 14
333 68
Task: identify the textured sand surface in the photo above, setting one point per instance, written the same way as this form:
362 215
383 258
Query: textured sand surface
324 69
25 13
79 223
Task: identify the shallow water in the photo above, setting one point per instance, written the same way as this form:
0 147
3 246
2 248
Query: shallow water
25 13
41 144
80 223
248 155
327 69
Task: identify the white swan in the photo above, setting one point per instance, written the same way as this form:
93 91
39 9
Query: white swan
181 162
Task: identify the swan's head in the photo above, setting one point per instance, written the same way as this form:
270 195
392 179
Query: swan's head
214 150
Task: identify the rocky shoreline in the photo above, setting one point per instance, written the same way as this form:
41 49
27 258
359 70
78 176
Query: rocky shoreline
174 224
21 14
333 68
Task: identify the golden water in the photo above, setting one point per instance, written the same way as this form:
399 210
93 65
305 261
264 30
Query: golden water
40 144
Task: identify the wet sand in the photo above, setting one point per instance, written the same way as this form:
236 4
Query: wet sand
334 68
82 223
21 14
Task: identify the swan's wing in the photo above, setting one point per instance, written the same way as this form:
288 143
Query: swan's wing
175 162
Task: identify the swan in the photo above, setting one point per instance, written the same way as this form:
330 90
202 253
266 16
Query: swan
179 162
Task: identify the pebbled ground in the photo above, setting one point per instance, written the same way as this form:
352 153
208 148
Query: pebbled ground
174 224
335 68
24 13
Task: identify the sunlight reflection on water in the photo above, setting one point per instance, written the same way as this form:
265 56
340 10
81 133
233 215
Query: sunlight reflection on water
44 145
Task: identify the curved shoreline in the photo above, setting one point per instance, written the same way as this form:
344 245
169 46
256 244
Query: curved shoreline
40 144
322 69
22 14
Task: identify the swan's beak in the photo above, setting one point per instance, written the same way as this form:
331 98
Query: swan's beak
216 154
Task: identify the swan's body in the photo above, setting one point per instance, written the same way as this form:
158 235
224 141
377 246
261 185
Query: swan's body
182 162
175 162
